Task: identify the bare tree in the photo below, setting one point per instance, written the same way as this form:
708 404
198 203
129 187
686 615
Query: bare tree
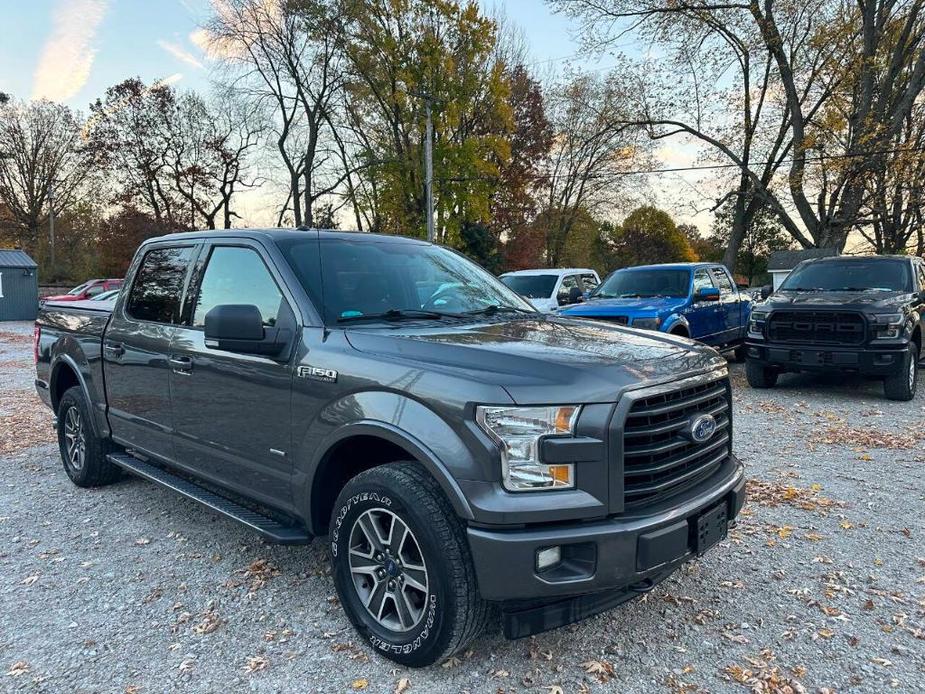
593 145
284 56
44 164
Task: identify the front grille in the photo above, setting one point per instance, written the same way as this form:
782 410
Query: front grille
659 457
826 327
619 320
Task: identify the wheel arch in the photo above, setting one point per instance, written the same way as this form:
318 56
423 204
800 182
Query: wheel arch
363 445
677 325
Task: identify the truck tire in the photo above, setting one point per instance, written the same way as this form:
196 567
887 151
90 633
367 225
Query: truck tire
402 566
83 453
903 385
760 376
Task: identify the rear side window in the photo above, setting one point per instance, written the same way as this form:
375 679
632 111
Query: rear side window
158 285
236 275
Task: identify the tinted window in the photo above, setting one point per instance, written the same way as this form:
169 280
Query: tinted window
722 280
645 283
532 286
569 282
702 280
589 281
237 275
158 285
365 277
96 290
875 274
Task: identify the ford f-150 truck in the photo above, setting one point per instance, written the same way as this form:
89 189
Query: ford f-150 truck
844 314
695 300
459 449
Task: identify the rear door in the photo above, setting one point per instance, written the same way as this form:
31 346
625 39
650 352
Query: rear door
136 345
232 411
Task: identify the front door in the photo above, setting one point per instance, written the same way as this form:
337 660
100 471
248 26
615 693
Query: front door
703 316
232 411
135 349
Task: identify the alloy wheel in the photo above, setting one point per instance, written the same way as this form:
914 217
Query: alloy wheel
75 438
388 570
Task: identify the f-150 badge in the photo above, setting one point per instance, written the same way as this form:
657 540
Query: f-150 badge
317 374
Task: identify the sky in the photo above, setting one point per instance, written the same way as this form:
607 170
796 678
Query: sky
72 50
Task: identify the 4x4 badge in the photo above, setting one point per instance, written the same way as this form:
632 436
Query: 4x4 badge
317 374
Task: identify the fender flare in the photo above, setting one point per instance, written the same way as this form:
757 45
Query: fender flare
673 321
59 362
394 435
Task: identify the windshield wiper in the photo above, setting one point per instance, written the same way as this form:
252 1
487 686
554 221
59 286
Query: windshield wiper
395 314
861 289
805 289
492 309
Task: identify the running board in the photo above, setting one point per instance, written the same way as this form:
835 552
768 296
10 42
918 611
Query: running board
269 528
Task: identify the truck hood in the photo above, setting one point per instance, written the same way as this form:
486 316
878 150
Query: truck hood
628 306
542 360
847 301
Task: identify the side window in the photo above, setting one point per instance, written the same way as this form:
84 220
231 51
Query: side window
921 269
236 275
158 285
96 289
721 277
590 282
568 282
702 280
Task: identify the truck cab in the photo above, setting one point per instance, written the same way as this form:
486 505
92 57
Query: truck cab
550 290
860 315
695 300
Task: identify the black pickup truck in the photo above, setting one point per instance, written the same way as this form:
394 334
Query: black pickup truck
844 314
459 449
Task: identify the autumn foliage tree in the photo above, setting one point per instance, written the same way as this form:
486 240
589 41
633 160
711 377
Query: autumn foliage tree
647 236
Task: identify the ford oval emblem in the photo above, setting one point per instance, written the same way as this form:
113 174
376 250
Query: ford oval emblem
701 428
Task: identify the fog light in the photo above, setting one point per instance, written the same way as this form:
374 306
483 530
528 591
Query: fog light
548 557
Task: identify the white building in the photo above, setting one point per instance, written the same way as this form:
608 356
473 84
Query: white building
780 263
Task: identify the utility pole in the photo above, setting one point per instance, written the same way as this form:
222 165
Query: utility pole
429 168
51 224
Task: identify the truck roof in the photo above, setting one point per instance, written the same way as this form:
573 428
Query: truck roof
549 271
276 233
672 266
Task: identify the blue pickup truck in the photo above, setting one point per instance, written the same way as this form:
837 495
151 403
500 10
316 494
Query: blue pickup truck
696 300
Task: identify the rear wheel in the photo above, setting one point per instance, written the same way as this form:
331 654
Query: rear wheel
83 453
760 376
903 385
402 566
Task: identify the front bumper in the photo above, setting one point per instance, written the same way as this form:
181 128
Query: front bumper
867 360
614 559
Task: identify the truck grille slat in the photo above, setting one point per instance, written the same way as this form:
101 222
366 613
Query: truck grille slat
660 457
827 327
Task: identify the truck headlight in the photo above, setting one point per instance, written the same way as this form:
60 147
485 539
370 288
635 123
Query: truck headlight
756 322
888 326
518 431
647 323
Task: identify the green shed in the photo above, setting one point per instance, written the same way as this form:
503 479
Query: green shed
19 285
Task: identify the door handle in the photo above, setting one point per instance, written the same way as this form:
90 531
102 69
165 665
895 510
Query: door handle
113 349
181 365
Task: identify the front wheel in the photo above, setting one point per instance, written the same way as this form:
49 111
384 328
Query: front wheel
760 376
402 566
903 385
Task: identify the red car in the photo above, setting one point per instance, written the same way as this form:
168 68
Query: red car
87 290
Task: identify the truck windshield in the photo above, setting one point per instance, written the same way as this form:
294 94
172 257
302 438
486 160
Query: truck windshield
80 289
876 274
626 284
395 280
531 286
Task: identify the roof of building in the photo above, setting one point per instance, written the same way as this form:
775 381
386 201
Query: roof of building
787 260
14 257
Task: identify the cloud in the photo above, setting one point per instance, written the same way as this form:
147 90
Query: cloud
67 57
180 53
167 81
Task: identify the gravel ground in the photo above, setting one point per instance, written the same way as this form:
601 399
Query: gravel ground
820 587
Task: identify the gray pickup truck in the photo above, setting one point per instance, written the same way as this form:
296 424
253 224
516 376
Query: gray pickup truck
461 451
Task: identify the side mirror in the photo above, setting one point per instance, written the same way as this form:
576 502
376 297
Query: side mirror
239 328
707 294
575 295
766 291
